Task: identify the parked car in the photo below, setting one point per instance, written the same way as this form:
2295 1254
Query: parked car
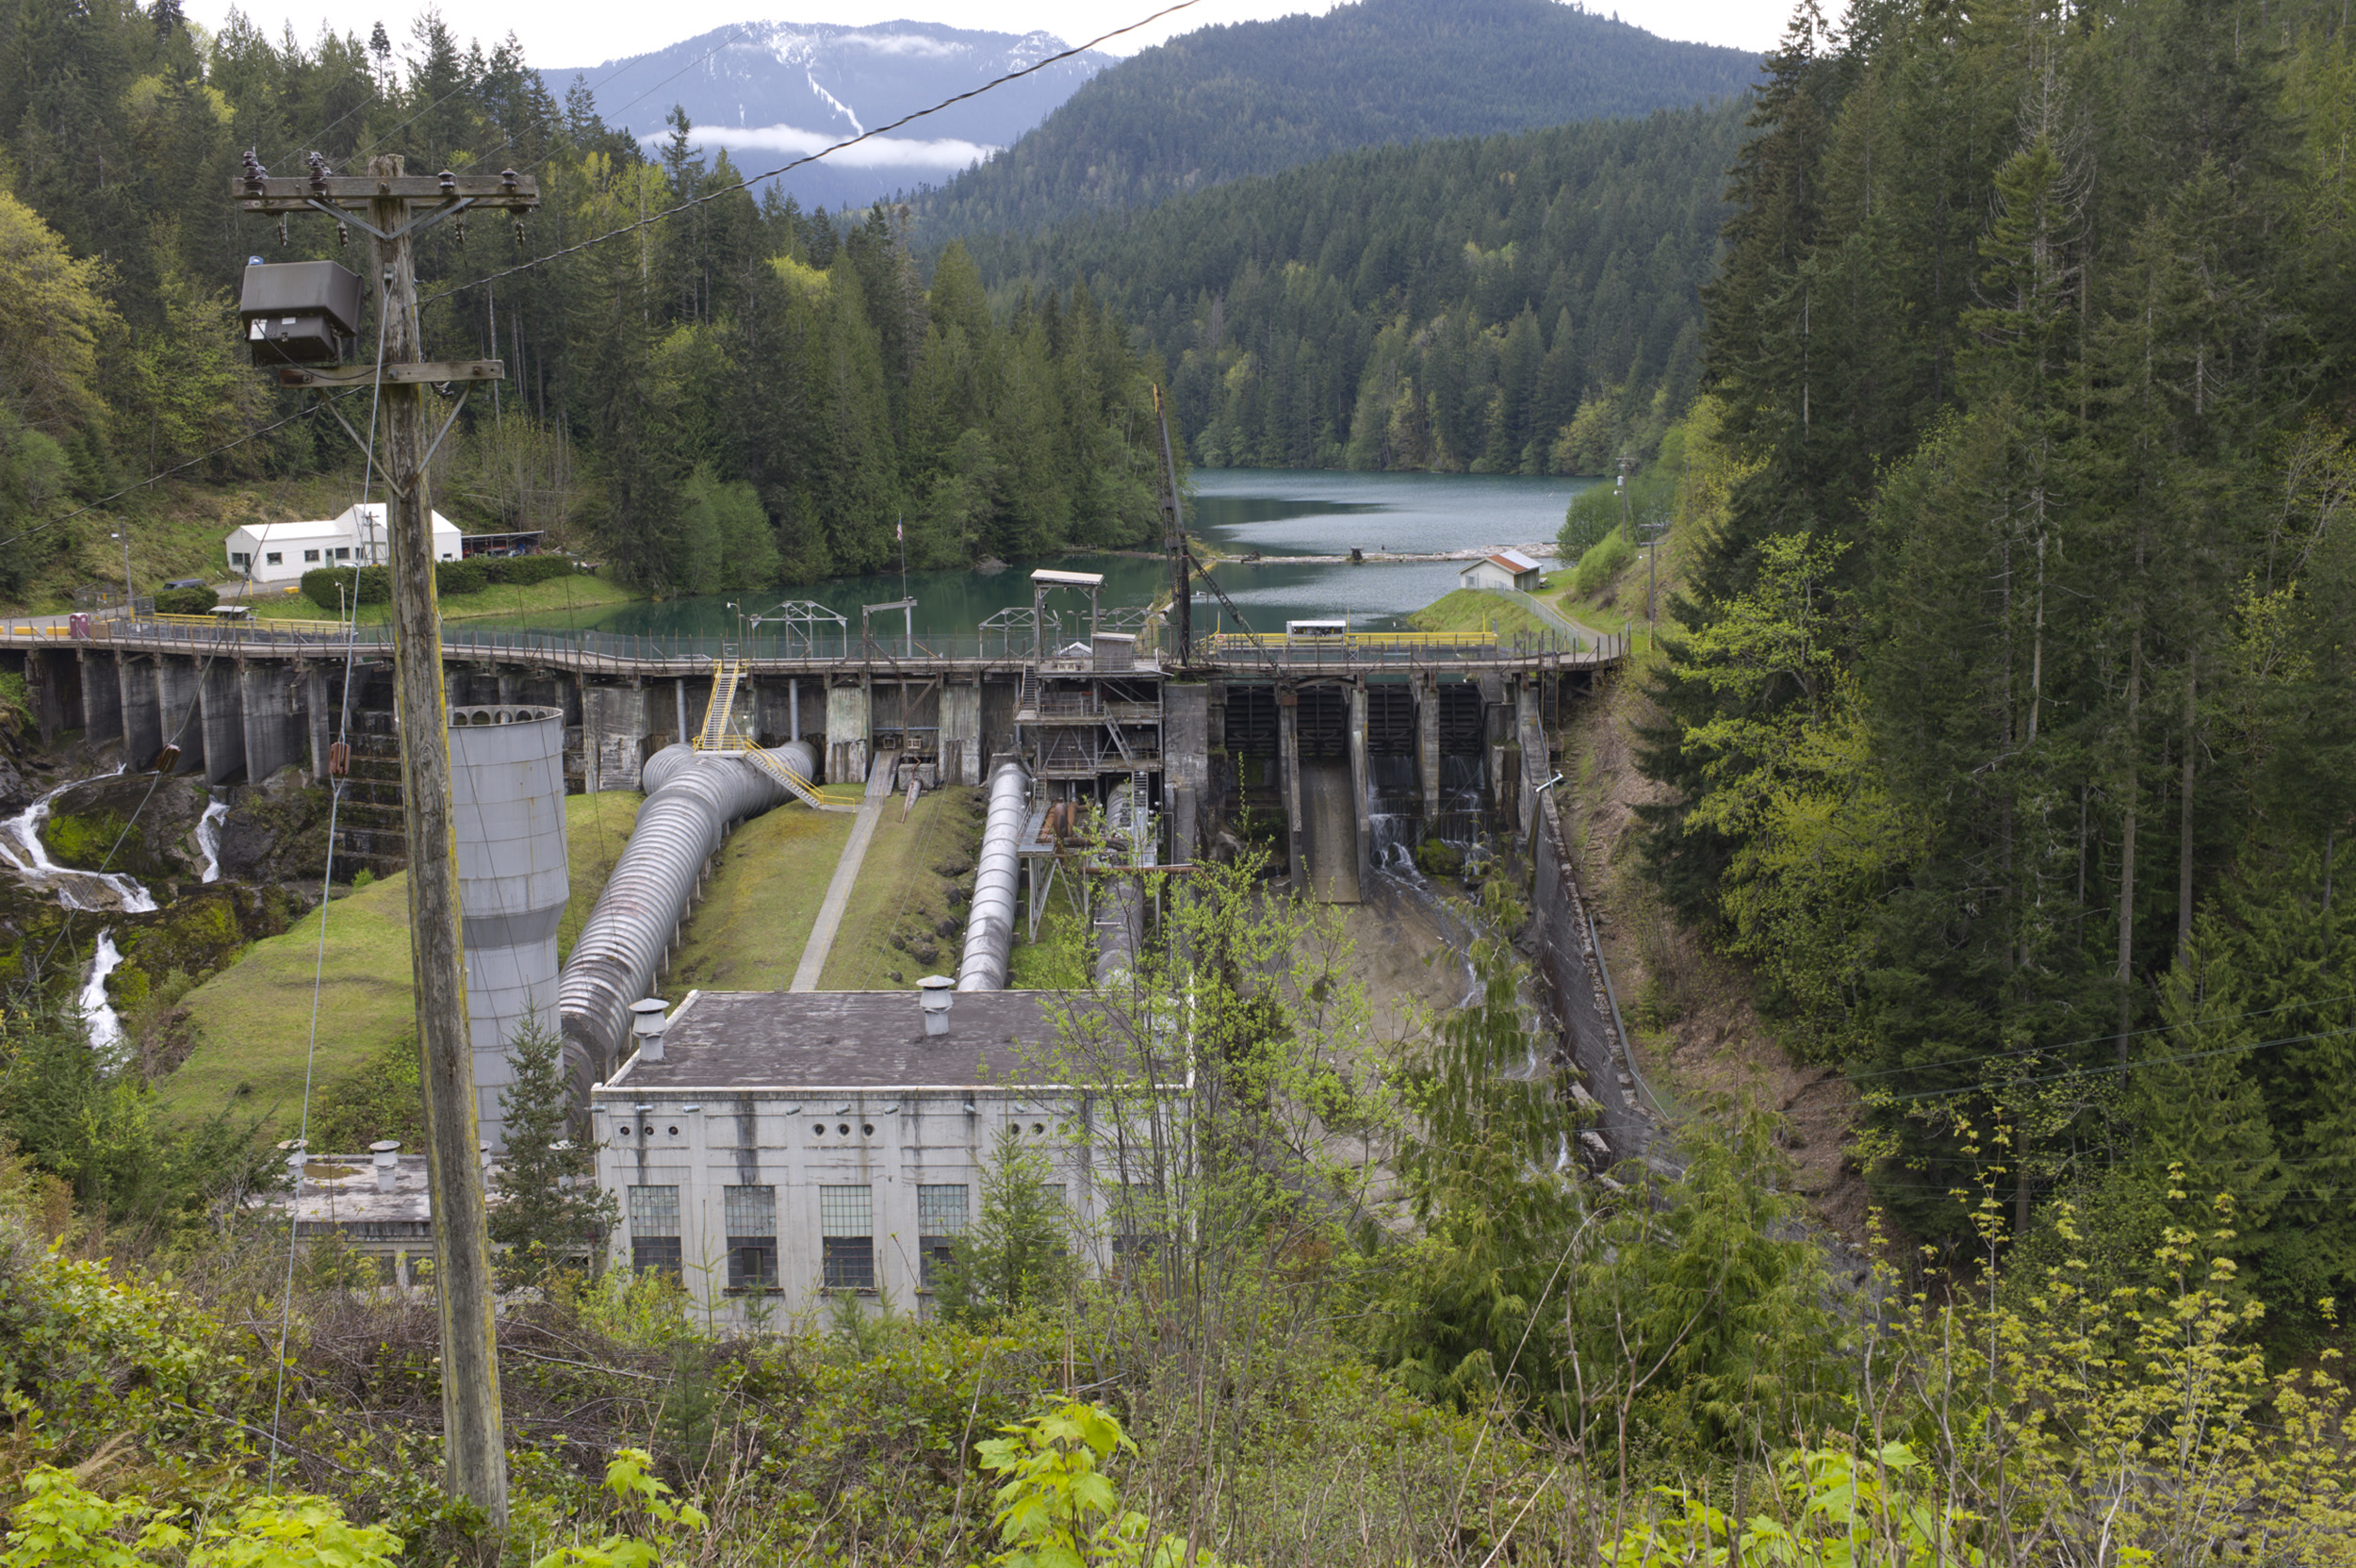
186 582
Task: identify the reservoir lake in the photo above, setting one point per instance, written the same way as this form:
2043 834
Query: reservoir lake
1273 512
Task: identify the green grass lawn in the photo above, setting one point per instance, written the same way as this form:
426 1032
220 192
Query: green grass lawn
251 1022
557 595
762 899
1473 608
902 892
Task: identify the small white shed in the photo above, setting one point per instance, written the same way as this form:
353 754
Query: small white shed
1503 569
281 552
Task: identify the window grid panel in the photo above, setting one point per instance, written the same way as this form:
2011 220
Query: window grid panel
655 1252
849 1262
940 1211
654 1212
751 1211
845 1212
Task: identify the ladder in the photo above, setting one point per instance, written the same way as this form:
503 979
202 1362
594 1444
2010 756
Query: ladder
727 673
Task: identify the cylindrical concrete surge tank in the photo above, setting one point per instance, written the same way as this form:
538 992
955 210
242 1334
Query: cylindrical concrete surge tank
692 797
989 928
507 791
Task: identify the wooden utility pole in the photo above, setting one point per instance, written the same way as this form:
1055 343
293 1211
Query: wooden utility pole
474 1455
474 1446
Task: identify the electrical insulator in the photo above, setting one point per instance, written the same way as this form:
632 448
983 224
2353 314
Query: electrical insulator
459 229
520 234
343 235
282 232
339 759
168 759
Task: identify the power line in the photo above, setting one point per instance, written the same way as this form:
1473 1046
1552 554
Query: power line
303 413
750 180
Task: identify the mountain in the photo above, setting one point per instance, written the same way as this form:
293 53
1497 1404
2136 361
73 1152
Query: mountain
770 90
1255 97
1512 304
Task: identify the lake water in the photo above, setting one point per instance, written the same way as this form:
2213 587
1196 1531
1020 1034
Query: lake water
1273 513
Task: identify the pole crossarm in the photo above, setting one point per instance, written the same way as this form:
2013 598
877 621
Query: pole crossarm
432 372
353 192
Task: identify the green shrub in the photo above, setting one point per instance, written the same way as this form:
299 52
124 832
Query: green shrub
460 577
523 570
1604 560
185 601
1594 512
375 586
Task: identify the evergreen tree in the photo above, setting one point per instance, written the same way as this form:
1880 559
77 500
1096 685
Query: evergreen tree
1018 1250
551 1213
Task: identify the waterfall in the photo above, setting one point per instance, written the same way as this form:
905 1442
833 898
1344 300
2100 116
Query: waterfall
209 835
21 849
106 1026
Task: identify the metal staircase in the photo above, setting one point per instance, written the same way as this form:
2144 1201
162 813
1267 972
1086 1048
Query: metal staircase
719 734
782 771
727 673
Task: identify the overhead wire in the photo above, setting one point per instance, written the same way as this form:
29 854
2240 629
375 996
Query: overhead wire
327 887
750 180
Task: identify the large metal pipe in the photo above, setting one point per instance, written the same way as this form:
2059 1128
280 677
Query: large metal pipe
692 797
989 928
1119 928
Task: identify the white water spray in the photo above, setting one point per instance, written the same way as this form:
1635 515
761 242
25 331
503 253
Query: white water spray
208 837
22 848
98 1013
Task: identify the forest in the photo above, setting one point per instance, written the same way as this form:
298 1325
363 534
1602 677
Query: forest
1998 740
1527 303
2007 723
1234 99
740 395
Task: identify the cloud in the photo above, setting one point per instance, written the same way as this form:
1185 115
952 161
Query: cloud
887 151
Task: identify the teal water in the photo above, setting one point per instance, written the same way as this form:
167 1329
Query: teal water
1273 513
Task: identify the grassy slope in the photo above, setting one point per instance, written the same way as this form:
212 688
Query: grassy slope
177 531
902 890
579 591
1471 609
763 894
252 1022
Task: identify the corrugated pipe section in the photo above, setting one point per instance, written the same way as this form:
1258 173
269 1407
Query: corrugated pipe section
990 929
692 797
1119 928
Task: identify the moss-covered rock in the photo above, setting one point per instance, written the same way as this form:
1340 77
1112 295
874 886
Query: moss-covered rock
275 831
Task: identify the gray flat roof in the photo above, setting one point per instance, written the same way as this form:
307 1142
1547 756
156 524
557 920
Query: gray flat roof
847 1039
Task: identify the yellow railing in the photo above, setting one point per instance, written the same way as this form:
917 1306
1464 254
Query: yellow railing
1237 642
255 623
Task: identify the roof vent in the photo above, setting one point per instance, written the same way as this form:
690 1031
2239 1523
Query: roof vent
935 993
649 1025
388 1152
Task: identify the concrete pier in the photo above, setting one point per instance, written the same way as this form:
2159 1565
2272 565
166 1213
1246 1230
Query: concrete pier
1186 765
1289 766
177 704
614 732
847 710
961 731
1428 744
143 714
222 715
1361 783
102 698
273 727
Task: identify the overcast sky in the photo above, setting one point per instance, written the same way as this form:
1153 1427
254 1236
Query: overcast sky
560 33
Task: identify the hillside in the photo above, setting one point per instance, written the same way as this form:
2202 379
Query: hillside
1511 304
1257 97
770 90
